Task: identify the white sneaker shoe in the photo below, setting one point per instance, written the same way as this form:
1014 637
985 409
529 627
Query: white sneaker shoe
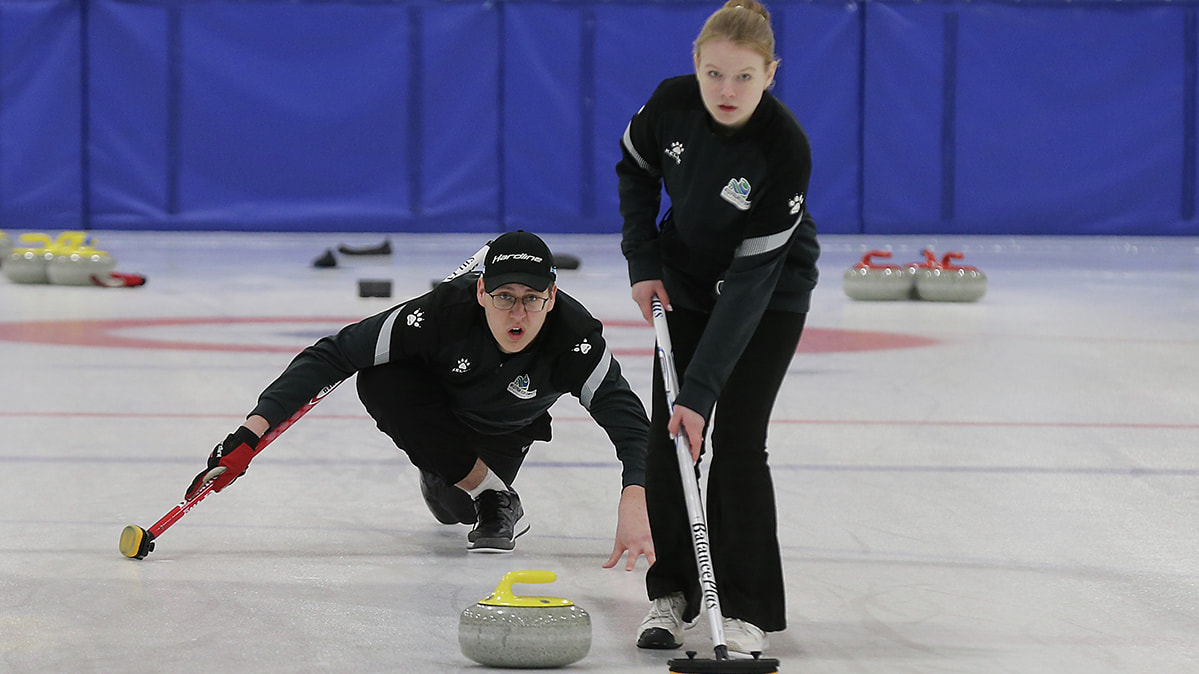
663 626
743 638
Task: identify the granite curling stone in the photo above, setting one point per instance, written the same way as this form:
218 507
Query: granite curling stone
5 246
77 266
505 630
948 282
27 261
870 281
930 261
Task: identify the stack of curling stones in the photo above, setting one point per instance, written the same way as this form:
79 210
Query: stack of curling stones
69 259
930 280
504 630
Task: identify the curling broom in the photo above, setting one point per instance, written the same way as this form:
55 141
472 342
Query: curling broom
722 663
137 542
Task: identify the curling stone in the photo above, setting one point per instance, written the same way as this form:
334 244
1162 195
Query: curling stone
504 630
930 261
867 280
27 262
948 282
77 266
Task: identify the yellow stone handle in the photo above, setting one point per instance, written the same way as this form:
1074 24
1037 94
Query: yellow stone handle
503 595
34 241
64 244
71 240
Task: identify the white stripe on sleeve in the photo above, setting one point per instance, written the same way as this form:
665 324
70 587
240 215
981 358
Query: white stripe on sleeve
627 141
765 244
595 379
383 346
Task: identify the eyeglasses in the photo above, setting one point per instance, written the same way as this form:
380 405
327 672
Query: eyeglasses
531 303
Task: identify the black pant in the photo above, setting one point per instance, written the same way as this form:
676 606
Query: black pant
741 517
417 417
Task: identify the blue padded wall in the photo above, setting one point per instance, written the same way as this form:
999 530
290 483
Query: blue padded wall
994 118
326 116
41 101
484 116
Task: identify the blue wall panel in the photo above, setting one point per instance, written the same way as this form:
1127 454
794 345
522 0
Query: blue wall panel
1065 135
129 99
993 118
632 55
40 115
258 116
542 116
459 128
901 175
293 119
462 115
820 80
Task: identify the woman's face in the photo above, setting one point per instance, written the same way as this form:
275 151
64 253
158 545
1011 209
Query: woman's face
732 79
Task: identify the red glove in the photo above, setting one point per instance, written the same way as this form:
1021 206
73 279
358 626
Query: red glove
227 462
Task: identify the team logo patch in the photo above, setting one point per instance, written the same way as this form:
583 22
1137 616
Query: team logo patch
582 347
462 366
737 193
675 152
415 318
796 204
520 388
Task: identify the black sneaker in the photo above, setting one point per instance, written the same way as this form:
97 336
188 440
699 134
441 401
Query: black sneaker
501 520
449 504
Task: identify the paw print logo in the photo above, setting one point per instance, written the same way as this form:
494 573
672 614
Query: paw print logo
675 152
415 318
582 347
796 204
462 366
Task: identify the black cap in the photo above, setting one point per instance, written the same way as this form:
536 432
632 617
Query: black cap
518 257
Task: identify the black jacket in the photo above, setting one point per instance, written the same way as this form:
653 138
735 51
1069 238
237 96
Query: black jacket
490 391
738 238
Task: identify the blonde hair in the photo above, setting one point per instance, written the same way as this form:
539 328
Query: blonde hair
742 22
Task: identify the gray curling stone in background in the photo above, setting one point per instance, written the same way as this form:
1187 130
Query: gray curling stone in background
26 265
504 630
27 261
870 281
930 261
948 282
75 267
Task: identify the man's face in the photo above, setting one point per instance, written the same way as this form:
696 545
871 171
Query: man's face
515 328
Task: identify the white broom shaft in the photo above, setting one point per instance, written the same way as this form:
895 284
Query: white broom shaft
472 262
695 507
